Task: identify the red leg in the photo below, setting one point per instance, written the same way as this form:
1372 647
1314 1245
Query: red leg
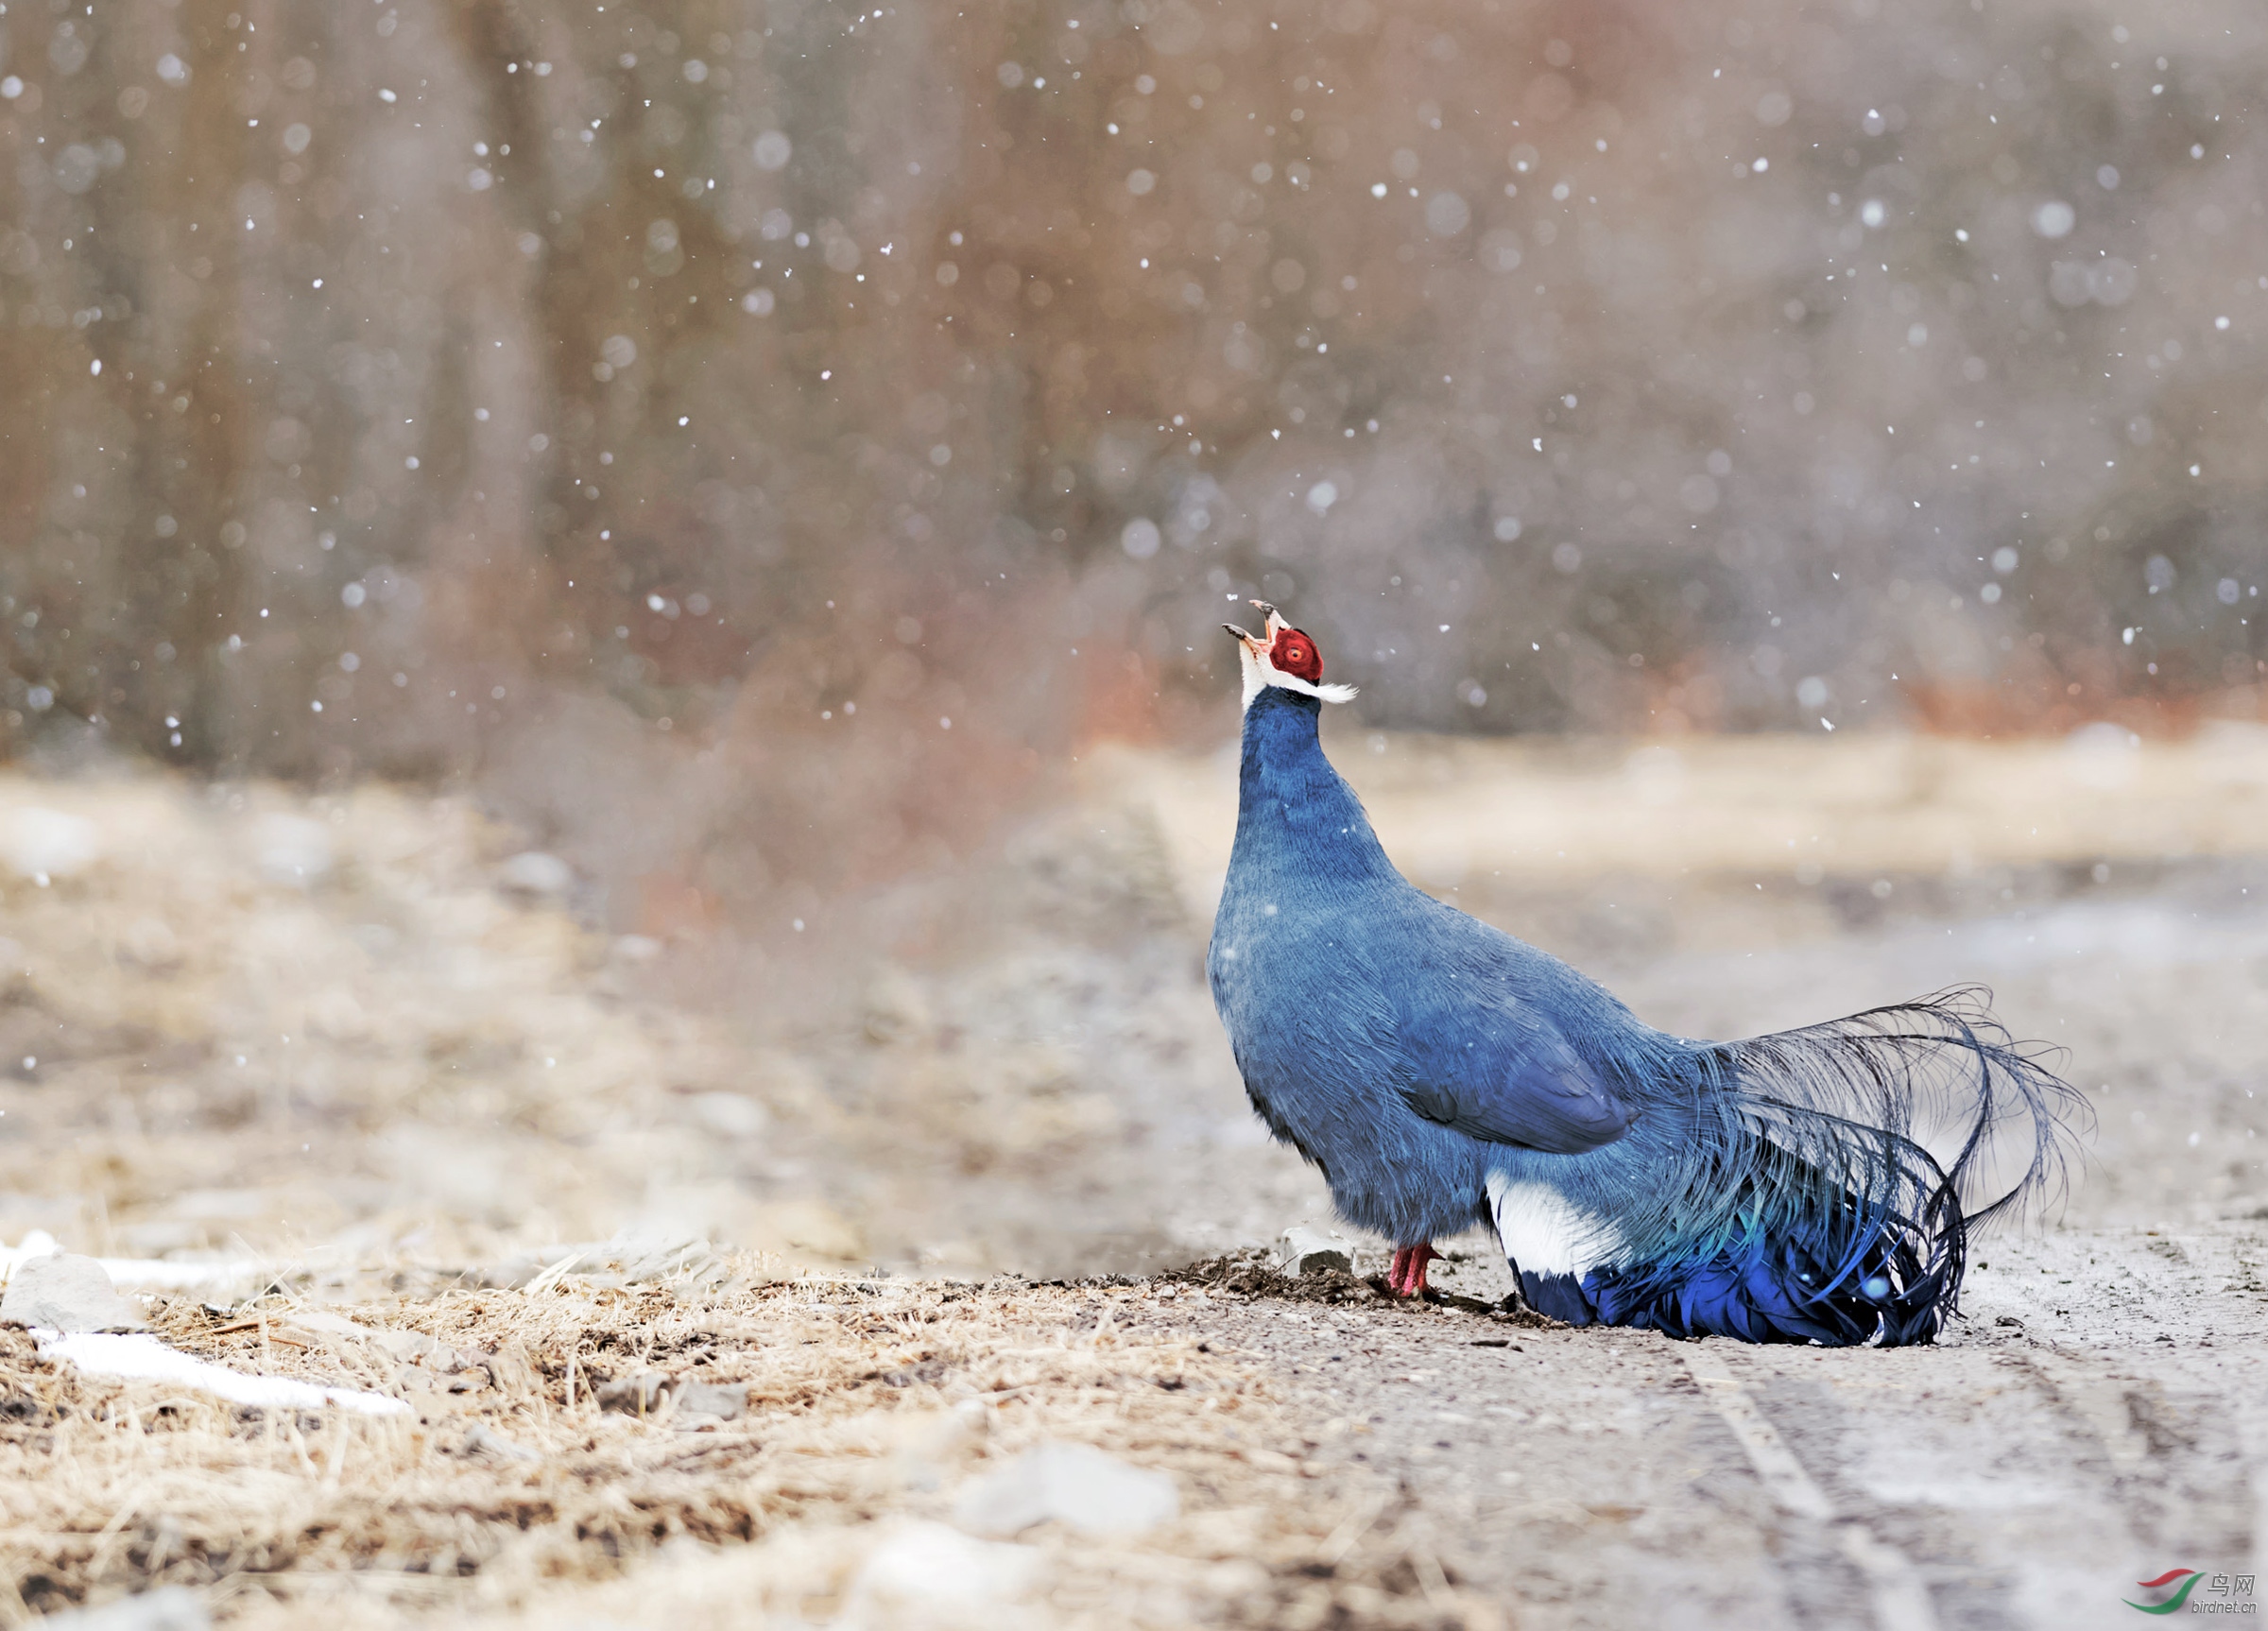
1405 1276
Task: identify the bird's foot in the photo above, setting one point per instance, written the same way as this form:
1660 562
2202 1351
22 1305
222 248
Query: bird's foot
1405 1276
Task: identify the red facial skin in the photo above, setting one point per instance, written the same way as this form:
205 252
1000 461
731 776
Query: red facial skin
1294 654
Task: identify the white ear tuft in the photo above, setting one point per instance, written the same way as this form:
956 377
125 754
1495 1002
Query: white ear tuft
1334 693
1259 673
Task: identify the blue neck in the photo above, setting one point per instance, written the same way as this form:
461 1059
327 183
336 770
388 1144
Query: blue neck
1293 808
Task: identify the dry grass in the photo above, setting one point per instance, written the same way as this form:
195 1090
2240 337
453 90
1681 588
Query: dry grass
332 1029
512 1490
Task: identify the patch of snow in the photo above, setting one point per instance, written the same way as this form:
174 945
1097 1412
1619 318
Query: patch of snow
142 1358
167 1608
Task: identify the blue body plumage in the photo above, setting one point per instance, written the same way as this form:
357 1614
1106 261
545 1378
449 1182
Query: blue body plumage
1443 1074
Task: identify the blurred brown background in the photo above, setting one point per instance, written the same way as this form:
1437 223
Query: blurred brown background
668 419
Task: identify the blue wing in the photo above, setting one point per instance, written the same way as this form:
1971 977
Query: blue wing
1505 1074
1484 1024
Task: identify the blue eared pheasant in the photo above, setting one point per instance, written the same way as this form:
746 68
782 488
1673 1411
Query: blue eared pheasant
1814 1186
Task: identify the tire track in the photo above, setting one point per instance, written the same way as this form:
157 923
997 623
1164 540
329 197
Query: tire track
1900 1600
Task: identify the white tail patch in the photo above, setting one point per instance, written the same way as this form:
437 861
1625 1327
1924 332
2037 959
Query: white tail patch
1544 1232
1260 674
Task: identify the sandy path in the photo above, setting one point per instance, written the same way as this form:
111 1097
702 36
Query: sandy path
2101 1415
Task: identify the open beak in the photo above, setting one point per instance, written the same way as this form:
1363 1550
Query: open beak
1260 645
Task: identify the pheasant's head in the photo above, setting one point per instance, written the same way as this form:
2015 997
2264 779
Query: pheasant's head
1285 657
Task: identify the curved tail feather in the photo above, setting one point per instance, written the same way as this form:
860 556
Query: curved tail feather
1827 1186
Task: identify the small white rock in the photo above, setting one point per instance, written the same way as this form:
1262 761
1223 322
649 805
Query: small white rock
928 1575
733 1115
640 1394
37 842
482 1440
316 1320
1312 1251
533 872
711 1399
403 1346
292 848
153 943
66 1292
1074 1484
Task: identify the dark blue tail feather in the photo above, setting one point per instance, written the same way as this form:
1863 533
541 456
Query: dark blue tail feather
1762 1296
1803 1203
